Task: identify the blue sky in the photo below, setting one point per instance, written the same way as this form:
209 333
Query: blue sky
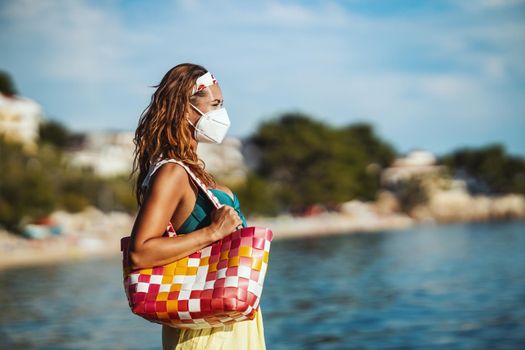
434 75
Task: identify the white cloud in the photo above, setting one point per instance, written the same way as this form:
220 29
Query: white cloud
276 56
83 43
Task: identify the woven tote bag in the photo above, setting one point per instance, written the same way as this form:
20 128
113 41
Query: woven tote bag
217 285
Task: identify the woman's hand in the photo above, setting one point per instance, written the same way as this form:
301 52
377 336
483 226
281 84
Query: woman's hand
224 221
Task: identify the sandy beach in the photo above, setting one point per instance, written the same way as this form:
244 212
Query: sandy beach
94 234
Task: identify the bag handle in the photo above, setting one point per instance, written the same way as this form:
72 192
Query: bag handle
169 228
199 183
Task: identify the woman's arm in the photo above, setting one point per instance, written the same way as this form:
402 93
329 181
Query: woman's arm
148 247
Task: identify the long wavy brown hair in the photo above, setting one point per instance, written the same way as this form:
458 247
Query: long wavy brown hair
162 129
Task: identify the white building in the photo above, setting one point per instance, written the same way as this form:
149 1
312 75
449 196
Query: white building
20 118
225 161
108 153
111 153
416 163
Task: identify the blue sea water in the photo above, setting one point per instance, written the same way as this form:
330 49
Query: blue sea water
456 286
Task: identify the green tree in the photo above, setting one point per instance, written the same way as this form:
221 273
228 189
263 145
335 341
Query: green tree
256 196
54 132
309 162
411 193
26 184
489 168
34 185
7 87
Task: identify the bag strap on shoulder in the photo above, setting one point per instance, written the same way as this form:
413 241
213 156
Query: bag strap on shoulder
195 179
170 229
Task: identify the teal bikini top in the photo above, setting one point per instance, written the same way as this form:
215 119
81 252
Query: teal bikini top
201 215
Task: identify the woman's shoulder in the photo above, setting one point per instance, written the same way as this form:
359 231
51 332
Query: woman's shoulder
172 168
169 175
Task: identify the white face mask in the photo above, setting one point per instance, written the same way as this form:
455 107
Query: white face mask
212 126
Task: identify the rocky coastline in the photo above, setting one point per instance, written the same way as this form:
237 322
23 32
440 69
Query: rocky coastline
92 233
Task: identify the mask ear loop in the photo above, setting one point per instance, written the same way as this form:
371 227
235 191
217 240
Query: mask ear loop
189 121
198 110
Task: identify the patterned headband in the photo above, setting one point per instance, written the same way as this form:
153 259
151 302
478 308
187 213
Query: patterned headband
203 82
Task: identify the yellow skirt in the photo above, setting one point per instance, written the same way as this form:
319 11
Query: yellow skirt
238 335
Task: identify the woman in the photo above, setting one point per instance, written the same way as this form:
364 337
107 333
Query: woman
177 118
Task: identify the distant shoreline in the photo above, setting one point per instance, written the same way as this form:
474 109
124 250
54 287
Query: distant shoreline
19 252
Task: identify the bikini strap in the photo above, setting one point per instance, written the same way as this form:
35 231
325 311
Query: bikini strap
216 203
